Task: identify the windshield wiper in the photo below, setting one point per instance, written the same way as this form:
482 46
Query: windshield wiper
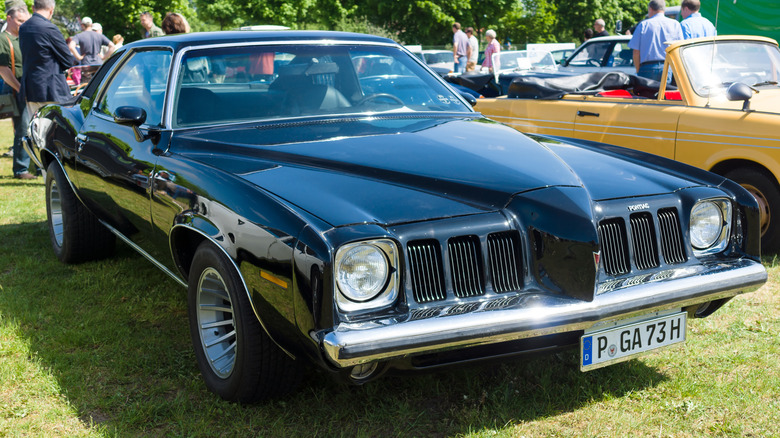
765 83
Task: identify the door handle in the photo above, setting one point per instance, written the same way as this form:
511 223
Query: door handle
81 140
586 113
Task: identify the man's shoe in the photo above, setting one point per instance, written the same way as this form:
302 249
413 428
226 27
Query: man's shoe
25 175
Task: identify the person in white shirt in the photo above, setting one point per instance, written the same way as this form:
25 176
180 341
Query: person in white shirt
471 64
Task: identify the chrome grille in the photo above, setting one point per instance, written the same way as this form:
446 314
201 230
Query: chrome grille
425 269
672 246
465 266
614 246
505 261
643 239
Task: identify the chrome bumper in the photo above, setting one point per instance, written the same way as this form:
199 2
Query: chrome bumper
535 315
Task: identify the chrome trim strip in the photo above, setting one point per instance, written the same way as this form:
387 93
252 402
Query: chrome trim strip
534 315
144 253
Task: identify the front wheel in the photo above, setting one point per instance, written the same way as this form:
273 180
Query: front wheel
762 186
238 360
76 234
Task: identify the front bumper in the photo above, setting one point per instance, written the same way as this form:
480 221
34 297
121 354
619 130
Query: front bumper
533 315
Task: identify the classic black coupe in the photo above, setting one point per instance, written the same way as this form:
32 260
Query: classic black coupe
328 199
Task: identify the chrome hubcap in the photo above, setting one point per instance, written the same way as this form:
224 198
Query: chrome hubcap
215 321
55 210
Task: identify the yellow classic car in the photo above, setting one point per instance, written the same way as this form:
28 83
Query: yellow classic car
720 112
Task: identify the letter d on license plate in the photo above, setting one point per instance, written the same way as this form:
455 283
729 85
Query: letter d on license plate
603 347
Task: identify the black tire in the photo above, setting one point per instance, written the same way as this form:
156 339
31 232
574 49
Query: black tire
241 363
763 187
76 234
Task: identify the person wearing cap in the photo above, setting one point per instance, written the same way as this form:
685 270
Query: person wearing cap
89 43
11 72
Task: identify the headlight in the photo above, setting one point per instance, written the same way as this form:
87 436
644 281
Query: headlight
365 274
710 226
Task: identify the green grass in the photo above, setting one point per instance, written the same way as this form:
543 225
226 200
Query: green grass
102 349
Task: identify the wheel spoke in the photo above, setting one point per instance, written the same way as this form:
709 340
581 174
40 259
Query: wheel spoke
220 339
216 324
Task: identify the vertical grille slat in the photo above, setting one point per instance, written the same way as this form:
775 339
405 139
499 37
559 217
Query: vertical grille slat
505 261
426 271
644 242
672 244
614 244
465 266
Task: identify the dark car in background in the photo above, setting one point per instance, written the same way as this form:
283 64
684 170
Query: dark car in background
325 199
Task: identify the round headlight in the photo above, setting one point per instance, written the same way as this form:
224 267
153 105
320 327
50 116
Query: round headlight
362 272
706 225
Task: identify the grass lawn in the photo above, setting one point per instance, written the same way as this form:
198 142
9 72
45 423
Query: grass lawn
103 349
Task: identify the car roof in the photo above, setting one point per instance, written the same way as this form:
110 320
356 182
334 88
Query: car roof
236 37
609 38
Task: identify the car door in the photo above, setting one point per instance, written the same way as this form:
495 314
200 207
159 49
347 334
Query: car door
114 164
649 126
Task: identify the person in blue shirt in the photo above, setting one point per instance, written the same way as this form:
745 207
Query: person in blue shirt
693 24
650 38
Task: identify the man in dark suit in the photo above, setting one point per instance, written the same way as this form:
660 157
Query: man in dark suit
45 57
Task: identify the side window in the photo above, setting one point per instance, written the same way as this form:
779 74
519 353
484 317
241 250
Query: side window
622 55
89 91
139 82
590 55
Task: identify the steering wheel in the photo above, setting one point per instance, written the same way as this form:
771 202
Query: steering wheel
594 62
375 96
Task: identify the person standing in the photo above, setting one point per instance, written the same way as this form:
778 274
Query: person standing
492 47
11 69
45 56
649 40
599 28
90 43
471 64
150 30
460 48
693 24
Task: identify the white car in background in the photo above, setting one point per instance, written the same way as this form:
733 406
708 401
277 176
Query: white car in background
610 53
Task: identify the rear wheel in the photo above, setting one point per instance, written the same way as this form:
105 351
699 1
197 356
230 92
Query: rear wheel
761 185
76 234
238 360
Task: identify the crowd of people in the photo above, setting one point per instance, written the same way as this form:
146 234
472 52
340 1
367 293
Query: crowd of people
34 56
465 49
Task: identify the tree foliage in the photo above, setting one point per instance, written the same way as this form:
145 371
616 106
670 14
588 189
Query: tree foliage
427 22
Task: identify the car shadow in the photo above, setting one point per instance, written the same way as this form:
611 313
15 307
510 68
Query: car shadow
114 336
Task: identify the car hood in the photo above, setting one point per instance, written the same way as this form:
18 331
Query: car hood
393 170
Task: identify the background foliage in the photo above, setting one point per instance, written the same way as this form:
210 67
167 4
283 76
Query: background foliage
426 22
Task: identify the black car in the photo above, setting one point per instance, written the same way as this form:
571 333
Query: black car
325 198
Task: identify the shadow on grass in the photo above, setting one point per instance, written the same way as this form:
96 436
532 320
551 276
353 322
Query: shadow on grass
114 335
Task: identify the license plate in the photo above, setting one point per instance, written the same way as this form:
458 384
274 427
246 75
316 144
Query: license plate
605 346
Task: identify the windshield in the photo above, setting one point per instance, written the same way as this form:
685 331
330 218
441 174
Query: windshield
232 84
753 63
438 57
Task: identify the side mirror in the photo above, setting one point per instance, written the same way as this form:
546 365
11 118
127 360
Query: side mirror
133 116
739 91
619 26
469 98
